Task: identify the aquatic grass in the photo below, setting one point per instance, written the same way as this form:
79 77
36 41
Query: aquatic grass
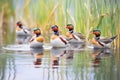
80 11
7 62
7 13
85 15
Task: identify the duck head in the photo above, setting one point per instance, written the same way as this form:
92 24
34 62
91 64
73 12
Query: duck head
97 33
37 31
55 29
19 24
70 27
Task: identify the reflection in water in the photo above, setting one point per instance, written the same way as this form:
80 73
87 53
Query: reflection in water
38 55
60 58
22 39
2 66
56 65
61 54
69 54
56 53
77 45
7 68
98 54
12 69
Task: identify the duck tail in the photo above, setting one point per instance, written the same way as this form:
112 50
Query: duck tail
113 37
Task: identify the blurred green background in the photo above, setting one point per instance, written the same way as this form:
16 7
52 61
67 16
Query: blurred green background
85 15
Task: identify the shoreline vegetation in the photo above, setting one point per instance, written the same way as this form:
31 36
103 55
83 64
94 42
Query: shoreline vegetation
85 15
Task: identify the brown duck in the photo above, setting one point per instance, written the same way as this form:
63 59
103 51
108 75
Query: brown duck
57 40
74 37
22 30
101 42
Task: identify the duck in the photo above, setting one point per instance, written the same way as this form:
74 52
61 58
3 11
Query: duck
74 37
21 30
37 40
20 39
99 42
56 39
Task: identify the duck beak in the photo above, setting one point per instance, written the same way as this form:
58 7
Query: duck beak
66 27
17 25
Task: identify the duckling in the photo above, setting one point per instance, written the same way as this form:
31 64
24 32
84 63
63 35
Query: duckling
74 37
21 30
56 39
37 40
101 42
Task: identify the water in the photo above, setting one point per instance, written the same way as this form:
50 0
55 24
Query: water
19 62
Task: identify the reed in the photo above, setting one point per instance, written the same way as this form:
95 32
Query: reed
85 15
7 13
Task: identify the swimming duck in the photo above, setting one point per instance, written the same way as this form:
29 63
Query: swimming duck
101 42
74 37
37 40
21 30
21 39
56 39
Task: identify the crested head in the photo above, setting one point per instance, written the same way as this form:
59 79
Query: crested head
19 23
37 31
54 28
96 32
36 28
70 26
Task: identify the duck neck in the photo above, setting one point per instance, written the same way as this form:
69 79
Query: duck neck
37 35
71 31
21 26
56 33
97 37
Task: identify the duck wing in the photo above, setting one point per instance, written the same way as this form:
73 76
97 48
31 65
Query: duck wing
107 40
80 35
63 39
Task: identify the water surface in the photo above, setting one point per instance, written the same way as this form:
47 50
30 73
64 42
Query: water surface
19 62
